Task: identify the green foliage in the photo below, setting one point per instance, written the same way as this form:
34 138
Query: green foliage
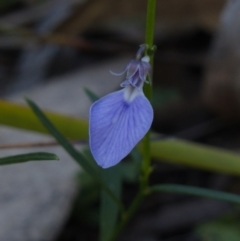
62 140
77 156
226 229
196 191
196 155
137 158
20 116
85 207
109 211
92 96
36 156
169 150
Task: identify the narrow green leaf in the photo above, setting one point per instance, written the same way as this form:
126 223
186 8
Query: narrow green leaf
36 156
92 96
88 167
88 155
109 211
196 155
129 172
196 191
20 116
62 140
137 158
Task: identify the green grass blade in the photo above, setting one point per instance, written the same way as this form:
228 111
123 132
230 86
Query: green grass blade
137 158
92 96
109 211
21 116
196 191
36 156
112 178
62 140
196 155
71 150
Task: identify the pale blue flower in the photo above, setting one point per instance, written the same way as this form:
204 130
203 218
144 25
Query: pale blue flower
119 120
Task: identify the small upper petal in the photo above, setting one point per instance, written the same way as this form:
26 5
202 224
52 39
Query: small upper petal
132 68
144 70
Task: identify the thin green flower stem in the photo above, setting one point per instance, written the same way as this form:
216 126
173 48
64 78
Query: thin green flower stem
146 164
149 38
128 215
150 23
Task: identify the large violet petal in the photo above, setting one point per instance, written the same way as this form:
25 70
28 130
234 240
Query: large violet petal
117 125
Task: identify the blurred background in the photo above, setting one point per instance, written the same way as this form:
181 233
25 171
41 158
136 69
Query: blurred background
196 95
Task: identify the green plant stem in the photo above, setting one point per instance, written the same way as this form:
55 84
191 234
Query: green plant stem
150 23
127 215
196 191
146 163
